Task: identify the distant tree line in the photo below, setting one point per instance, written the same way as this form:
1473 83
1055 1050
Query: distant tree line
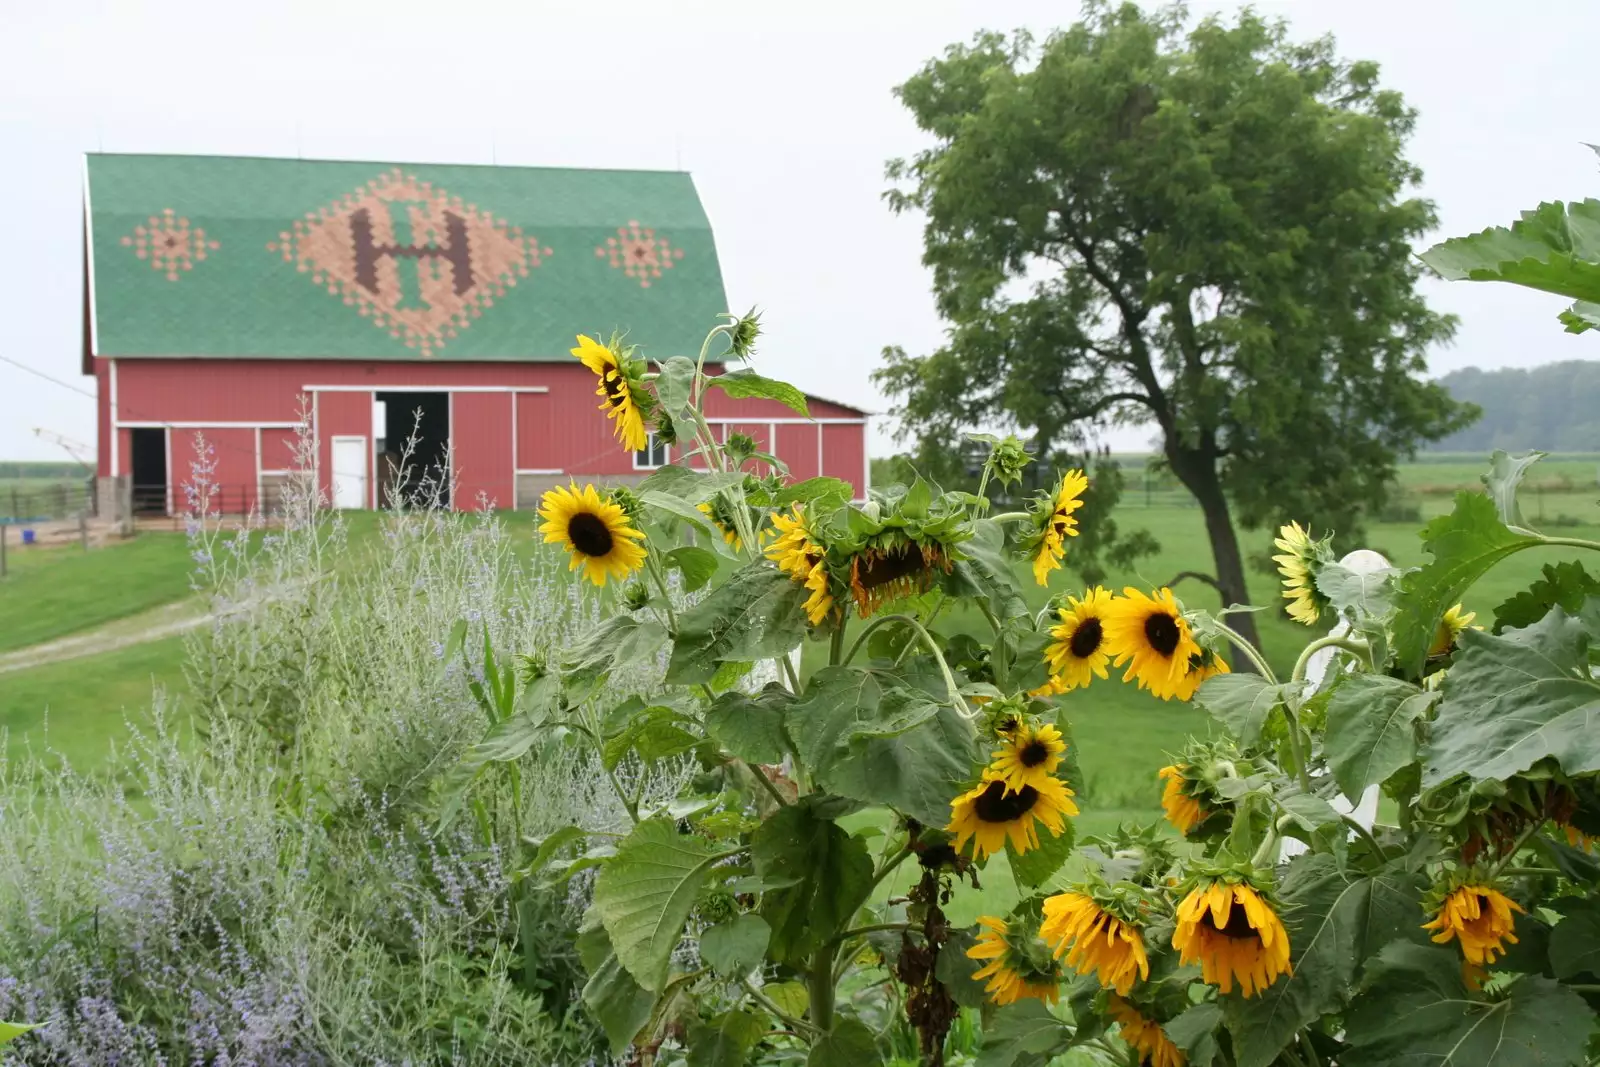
1555 408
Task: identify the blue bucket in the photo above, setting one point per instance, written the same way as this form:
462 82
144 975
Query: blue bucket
27 537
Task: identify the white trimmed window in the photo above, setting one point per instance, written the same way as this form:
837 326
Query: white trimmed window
653 456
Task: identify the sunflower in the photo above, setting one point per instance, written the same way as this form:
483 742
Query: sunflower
1183 811
1299 585
989 813
798 554
1205 664
1028 755
1059 524
1018 968
1079 651
1151 1042
1480 917
616 390
595 531
900 567
1577 838
1151 635
1095 941
1444 638
1232 932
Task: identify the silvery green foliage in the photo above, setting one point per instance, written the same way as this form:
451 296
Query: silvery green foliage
272 888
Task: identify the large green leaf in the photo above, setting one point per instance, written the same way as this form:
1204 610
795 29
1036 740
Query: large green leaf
678 508
1036 866
697 566
689 484
674 388
757 614
1336 919
1415 1012
848 1044
1372 729
955 968
1023 1034
1464 545
1506 471
618 1003
9 1032
1575 946
745 383
1554 248
644 895
1515 699
987 572
736 947
1364 594
812 489
1241 702
830 871
725 1041
1195 1032
621 639
1566 584
751 727
653 734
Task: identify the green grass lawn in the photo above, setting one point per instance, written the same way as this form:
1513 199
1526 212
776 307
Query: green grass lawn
78 708
56 591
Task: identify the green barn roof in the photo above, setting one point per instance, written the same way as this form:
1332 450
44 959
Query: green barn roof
207 256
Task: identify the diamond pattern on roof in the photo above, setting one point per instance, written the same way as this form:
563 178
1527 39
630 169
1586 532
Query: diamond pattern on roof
414 259
640 253
169 244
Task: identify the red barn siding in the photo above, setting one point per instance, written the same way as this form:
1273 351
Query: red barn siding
844 454
232 453
536 445
278 449
797 446
480 442
341 415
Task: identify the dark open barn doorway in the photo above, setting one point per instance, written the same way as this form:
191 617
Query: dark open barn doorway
149 466
423 419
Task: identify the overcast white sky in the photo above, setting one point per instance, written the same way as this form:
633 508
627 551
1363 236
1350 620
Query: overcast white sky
784 117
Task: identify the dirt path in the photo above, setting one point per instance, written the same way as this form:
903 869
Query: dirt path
150 625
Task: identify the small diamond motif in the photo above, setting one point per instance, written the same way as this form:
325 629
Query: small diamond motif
411 258
169 244
640 253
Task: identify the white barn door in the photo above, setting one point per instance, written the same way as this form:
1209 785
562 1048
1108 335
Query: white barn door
349 472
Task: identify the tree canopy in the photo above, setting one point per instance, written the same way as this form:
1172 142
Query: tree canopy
1554 408
1206 228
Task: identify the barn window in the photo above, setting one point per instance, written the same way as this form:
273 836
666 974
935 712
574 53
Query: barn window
653 456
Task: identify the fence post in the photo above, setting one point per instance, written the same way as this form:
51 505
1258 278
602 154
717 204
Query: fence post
83 529
3 528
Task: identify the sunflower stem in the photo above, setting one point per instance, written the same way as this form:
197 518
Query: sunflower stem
653 565
1511 853
821 989
797 1025
861 931
1296 754
1250 651
1352 645
1571 542
866 631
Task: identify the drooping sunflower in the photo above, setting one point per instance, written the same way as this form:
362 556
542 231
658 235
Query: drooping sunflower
1444 638
1183 811
1231 930
1078 650
989 813
896 568
1019 965
1480 917
1299 583
1151 1042
1028 755
799 555
618 390
1058 525
1095 941
1150 634
595 531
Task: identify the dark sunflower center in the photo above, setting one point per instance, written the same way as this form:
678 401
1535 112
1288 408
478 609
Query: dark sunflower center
1085 639
1161 630
1237 927
996 805
1033 753
589 534
901 561
615 393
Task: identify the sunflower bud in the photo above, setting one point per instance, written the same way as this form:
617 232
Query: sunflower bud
1009 458
636 596
666 430
742 337
630 504
739 447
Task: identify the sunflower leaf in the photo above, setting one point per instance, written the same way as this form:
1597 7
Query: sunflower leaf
811 489
620 639
1023 1034
674 388
644 896
695 486
758 613
751 727
986 571
1366 594
1336 919
1464 545
1505 475
1415 1009
835 876
954 968
725 1041
1037 866
1195 1032
1512 700
1241 702
1372 729
849 1044
678 508
746 384
1577 950
736 947
620 1005
1565 583
695 564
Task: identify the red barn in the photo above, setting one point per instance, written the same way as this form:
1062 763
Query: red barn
226 296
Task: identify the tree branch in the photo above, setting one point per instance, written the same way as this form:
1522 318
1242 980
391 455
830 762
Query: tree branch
1101 404
1197 576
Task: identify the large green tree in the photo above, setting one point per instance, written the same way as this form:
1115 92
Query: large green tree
1206 229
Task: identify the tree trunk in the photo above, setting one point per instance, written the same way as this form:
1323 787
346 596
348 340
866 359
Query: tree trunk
1228 561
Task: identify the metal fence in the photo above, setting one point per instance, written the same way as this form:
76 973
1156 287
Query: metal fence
21 502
